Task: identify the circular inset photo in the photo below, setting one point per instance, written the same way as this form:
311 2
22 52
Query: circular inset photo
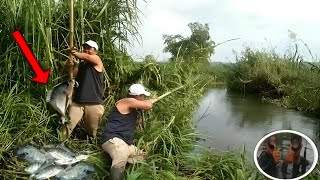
285 154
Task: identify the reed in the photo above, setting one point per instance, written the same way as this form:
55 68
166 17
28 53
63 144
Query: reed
169 135
278 78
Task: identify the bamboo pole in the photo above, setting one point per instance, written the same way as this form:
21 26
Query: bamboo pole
82 21
71 43
167 93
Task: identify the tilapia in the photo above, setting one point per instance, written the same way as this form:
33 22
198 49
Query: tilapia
61 154
33 168
33 155
78 171
47 172
62 147
74 160
60 97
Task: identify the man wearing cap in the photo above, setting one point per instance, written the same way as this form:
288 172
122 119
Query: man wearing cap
270 158
119 131
88 96
293 157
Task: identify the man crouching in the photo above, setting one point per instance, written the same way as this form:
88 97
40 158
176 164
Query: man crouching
118 134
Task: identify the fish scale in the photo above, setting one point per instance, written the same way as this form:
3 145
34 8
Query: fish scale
78 171
33 168
48 172
33 155
60 154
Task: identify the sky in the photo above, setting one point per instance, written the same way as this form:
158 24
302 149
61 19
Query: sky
258 23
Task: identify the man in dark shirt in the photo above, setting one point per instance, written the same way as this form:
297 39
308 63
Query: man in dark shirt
269 159
293 157
118 135
88 96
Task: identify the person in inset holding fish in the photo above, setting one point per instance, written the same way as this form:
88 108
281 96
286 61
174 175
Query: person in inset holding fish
88 96
270 158
293 157
118 134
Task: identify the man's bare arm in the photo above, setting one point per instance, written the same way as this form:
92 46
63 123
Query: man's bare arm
94 59
144 105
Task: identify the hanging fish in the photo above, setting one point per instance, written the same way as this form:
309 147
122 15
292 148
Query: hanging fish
60 97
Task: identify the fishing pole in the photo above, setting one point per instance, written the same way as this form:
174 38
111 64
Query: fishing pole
304 164
71 43
159 98
167 93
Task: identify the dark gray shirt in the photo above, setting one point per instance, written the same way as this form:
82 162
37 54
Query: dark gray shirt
121 126
90 84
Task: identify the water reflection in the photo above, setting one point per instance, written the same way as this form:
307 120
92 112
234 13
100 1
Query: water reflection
233 120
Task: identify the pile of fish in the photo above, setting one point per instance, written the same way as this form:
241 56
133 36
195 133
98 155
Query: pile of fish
55 161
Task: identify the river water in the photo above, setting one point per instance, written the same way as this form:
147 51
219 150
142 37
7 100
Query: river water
232 120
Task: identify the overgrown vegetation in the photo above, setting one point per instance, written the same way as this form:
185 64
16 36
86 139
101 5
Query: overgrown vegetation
168 135
287 80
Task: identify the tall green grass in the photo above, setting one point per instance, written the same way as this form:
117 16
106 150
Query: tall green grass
168 136
281 79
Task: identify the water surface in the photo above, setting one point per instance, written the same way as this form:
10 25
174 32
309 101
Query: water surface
232 120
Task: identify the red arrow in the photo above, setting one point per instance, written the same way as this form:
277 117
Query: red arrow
41 76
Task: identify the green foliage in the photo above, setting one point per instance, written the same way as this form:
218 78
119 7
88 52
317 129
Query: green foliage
293 84
197 48
45 26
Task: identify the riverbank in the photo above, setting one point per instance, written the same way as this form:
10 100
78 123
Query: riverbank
168 135
285 81
231 120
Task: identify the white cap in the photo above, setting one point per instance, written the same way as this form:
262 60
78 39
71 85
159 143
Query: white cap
92 44
138 89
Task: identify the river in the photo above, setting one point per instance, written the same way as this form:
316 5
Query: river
232 120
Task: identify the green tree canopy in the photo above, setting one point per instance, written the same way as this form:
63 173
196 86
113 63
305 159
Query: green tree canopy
197 47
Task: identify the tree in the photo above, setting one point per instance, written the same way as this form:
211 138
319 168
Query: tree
149 58
197 47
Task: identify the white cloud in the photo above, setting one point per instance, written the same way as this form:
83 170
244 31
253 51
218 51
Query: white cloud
251 20
284 11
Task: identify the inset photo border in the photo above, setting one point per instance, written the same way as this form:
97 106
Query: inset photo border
285 160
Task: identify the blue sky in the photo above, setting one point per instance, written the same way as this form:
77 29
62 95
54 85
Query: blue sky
258 24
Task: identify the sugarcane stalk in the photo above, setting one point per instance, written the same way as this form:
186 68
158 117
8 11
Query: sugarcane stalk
167 93
82 21
71 43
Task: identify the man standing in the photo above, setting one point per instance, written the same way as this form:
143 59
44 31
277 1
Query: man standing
293 157
118 135
88 96
269 159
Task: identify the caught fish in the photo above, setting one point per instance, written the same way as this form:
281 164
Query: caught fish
61 154
78 171
47 172
74 160
33 168
33 155
62 147
65 148
61 96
